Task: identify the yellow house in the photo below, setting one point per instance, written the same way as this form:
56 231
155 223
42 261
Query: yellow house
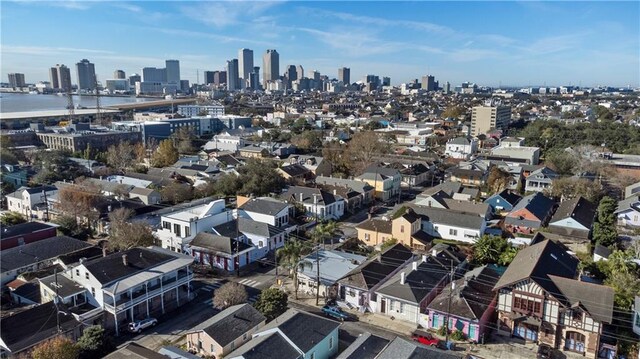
374 231
386 181
406 228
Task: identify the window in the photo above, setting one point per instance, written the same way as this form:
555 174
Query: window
260 244
187 231
331 343
166 225
367 237
93 292
575 342
401 229
527 306
212 348
176 229
453 232
244 336
401 310
77 272
86 275
313 356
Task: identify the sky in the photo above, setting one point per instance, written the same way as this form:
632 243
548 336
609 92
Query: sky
508 43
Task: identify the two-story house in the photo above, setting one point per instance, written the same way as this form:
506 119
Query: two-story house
540 179
319 204
574 218
27 201
461 147
503 201
224 252
628 212
263 237
532 212
293 335
179 227
386 181
453 225
135 284
266 210
329 265
356 193
539 300
405 227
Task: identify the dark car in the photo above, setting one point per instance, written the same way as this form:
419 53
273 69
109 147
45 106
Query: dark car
544 351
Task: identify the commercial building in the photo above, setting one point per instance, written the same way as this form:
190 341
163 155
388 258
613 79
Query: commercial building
199 110
133 79
86 72
344 75
254 78
154 74
119 74
172 68
83 137
114 85
208 77
245 63
233 82
487 118
270 66
60 76
16 80
299 72
429 83
219 77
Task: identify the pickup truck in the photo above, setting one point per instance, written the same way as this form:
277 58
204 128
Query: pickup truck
335 312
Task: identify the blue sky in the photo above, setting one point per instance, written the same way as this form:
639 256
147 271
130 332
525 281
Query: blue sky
490 43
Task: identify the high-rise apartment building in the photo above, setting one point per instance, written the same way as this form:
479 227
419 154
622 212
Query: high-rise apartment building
119 74
172 68
245 63
270 66
254 78
60 76
291 74
344 75
16 80
233 78
299 72
86 72
154 74
208 77
487 118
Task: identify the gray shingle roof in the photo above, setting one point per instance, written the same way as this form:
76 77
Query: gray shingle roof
231 323
401 348
309 195
23 228
303 329
268 346
449 217
538 204
111 268
39 251
418 283
264 205
373 271
366 346
218 244
596 299
579 209
247 226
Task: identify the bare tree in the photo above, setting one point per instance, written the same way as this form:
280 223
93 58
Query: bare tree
229 294
126 234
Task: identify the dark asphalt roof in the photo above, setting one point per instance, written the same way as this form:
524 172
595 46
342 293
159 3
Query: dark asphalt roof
596 299
135 351
218 244
373 271
366 346
247 226
295 170
375 224
231 323
303 329
418 283
511 197
270 206
65 286
111 268
537 262
269 346
30 291
449 217
400 348
448 187
309 195
579 208
22 256
538 204
23 228
32 326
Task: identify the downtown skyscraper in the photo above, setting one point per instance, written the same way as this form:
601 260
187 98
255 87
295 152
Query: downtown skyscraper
344 75
245 63
270 66
86 72
233 78
60 77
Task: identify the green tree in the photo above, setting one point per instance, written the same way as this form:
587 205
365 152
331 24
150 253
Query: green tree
227 184
490 250
626 287
604 229
165 155
290 256
68 226
388 244
59 347
229 294
94 343
453 111
177 192
260 178
11 218
272 302
562 162
571 187
324 231
52 166
507 256
307 140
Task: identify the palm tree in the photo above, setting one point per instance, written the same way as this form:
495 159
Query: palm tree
323 231
290 256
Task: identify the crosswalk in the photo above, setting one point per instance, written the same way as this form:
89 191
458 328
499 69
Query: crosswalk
210 288
249 282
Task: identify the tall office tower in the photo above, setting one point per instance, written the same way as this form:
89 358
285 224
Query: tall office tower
254 78
208 77
270 66
315 75
429 83
291 74
245 63
119 74
60 77
16 80
233 79
173 71
487 118
133 79
447 87
344 75
219 78
386 81
374 80
86 75
154 74
299 72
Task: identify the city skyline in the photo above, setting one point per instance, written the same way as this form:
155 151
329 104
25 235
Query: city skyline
508 43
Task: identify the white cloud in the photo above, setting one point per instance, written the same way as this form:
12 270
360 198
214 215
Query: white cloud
224 13
42 50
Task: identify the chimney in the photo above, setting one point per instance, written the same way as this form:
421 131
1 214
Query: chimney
369 216
402 278
124 260
424 258
301 197
434 252
415 265
104 251
335 192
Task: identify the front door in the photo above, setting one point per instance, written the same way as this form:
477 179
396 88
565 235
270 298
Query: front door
383 305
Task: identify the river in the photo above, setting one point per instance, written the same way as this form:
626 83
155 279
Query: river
15 102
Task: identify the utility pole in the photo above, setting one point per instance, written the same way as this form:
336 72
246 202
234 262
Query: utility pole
317 275
238 245
55 274
449 303
98 114
46 208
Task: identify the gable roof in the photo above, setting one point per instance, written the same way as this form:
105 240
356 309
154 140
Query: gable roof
374 270
537 262
218 244
231 323
579 209
309 195
596 299
376 224
366 346
111 268
265 205
268 346
400 348
333 265
50 248
247 226
537 204
418 283
448 187
295 170
511 197
629 203
303 329
135 351
449 217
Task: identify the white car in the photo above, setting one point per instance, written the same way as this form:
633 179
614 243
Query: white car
137 326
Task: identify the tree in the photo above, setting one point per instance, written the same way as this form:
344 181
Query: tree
59 347
453 111
204 190
307 140
80 201
272 302
388 244
177 192
260 178
68 226
323 231
290 256
227 184
498 179
604 229
123 156
363 147
165 155
94 343
125 234
492 249
335 153
11 218
572 187
183 140
507 256
561 161
54 166
626 286
229 294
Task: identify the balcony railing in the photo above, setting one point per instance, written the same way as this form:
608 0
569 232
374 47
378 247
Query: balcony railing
139 296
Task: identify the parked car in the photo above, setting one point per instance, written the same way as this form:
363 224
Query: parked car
335 312
138 326
544 351
425 338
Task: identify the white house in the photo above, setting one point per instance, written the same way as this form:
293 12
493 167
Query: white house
628 211
181 226
540 179
262 236
225 143
317 203
266 210
461 147
26 201
333 266
453 225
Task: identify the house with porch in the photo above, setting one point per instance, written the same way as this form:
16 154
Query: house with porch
539 300
317 203
540 179
358 287
532 212
135 284
27 201
263 237
574 218
385 180
266 210
333 265
628 211
405 227
469 304
453 225
221 252
357 194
